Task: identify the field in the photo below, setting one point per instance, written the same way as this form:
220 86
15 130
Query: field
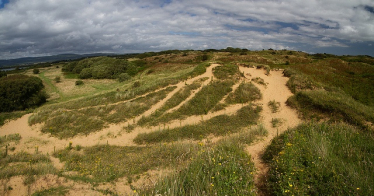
215 122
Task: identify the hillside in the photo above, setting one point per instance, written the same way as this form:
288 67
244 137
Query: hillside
214 122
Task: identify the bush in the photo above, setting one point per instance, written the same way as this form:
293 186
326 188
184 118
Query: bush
3 74
86 73
36 71
57 79
78 83
18 92
124 77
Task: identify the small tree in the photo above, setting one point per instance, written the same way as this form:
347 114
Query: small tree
36 71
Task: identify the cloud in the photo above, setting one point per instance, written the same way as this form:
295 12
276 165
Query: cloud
32 28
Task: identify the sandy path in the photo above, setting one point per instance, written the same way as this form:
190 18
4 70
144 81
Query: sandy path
277 90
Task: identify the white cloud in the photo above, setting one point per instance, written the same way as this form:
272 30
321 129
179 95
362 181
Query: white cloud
29 28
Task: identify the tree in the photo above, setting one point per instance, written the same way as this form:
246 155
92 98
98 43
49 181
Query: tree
18 92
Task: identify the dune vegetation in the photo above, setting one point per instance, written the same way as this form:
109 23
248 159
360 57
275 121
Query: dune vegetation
212 122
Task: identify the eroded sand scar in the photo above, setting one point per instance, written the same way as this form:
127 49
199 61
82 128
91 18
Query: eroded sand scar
275 90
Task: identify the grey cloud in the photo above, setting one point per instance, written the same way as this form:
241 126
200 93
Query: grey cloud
31 28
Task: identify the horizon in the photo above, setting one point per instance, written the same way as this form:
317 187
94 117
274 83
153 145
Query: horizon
47 28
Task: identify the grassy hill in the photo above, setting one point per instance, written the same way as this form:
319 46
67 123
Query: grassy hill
184 123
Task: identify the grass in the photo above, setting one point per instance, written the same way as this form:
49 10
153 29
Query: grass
105 163
246 92
54 191
354 77
174 101
259 80
336 106
226 72
203 101
23 163
206 98
276 122
218 126
274 106
220 169
69 123
321 159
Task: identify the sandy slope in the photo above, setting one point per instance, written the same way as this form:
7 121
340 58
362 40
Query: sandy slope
277 90
115 135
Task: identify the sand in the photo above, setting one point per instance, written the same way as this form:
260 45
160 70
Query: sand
114 134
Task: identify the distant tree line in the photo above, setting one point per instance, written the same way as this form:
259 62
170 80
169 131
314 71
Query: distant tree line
104 67
19 92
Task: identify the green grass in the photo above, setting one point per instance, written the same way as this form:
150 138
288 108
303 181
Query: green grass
206 98
227 72
105 163
70 75
246 92
321 159
54 191
336 106
69 123
218 126
50 84
274 106
25 164
259 80
203 101
174 101
276 122
355 78
219 169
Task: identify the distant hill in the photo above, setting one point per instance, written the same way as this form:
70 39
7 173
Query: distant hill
31 60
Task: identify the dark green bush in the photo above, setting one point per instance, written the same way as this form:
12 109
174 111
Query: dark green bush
79 82
57 79
18 92
36 71
3 74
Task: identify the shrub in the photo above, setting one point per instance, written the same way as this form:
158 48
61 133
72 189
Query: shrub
136 84
86 73
124 77
57 79
79 82
36 71
3 74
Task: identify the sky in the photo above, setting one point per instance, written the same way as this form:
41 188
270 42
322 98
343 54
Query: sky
31 28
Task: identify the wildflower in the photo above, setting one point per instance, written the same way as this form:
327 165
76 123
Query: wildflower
289 144
211 184
212 177
358 188
134 191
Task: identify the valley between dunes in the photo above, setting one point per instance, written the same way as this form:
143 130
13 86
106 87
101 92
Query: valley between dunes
274 89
